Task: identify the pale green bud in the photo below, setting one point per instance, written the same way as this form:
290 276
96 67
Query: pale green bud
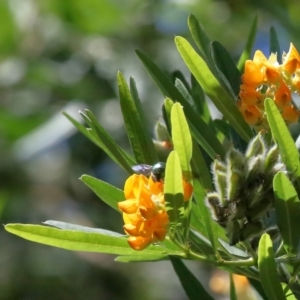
272 158
235 181
219 178
235 174
255 167
256 147
237 209
219 213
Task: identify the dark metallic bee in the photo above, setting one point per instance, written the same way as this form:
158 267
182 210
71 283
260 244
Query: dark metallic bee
156 171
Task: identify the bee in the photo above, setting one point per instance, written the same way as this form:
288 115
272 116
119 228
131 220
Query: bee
157 171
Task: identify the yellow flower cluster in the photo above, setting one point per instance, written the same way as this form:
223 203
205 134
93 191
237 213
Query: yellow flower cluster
145 217
266 78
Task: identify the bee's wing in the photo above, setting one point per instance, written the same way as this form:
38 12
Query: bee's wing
142 169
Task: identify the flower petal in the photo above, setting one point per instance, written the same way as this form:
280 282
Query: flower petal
139 243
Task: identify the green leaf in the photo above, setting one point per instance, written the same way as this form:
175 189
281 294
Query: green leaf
167 244
82 129
184 91
274 44
173 190
177 75
212 88
69 226
106 192
200 101
192 287
249 46
135 123
228 74
201 184
162 81
288 293
166 109
142 258
222 129
77 240
282 136
287 207
109 146
232 289
181 136
204 216
199 129
202 41
200 168
268 270
233 251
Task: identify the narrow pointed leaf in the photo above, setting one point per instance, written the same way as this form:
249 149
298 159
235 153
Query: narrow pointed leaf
288 293
173 189
268 270
249 46
82 129
139 137
199 129
200 168
287 207
178 75
106 192
228 74
274 44
200 101
142 258
77 240
167 244
181 136
201 184
183 90
111 148
167 107
211 228
192 287
162 81
212 87
222 129
233 250
282 136
69 226
202 41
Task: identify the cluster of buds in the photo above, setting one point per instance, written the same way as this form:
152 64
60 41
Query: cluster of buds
144 212
244 190
266 78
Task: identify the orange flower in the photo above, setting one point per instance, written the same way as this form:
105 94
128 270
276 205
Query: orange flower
253 75
290 114
282 96
291 60
266 78
251 113
144 213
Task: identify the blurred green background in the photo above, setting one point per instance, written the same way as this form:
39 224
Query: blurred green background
59 56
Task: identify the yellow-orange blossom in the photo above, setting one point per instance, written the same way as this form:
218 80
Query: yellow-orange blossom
146 220
266 78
